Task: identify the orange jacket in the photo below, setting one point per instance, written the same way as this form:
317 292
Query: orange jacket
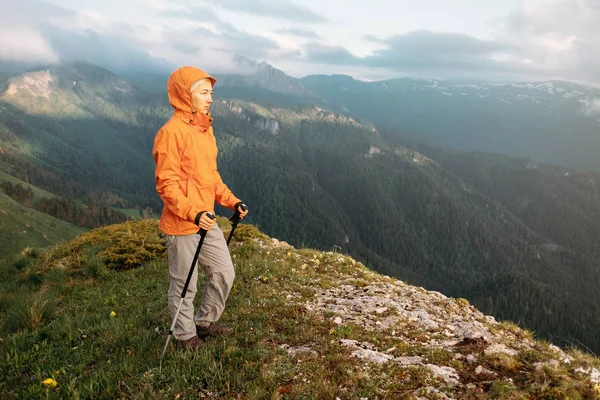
185 152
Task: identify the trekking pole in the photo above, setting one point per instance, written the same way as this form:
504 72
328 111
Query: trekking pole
235 219
202 233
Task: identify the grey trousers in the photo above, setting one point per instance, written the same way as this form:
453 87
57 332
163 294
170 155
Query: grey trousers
215 259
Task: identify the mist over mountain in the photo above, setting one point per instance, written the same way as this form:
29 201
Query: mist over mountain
516 237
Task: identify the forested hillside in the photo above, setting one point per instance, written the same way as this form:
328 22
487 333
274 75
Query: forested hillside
324 181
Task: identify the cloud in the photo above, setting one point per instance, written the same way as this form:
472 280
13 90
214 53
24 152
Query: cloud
181 9
590 107
24 44
281 9
541 40
561 37
54 33
428 53
119 50
20 39
300 32
61 34
217 48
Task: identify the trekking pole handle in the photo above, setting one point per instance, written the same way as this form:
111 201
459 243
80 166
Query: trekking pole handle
209 215
235 218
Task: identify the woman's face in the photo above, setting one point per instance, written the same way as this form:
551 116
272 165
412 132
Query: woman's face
202 97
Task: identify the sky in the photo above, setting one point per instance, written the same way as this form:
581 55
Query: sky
502 40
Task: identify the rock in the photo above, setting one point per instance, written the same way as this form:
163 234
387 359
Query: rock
550 364
424 319
372 356
481 370
500 348
556 349
337 320
415 360
430 393
472 331
592 372
349 343
294 351
448 374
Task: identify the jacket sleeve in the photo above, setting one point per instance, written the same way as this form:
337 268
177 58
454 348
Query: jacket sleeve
166 154
223 195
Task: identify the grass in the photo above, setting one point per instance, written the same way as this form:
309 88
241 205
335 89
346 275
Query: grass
96 331
23 227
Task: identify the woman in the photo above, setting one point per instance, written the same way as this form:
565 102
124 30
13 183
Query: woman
187 180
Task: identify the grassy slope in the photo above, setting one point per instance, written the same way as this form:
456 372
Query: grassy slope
22 227
57 324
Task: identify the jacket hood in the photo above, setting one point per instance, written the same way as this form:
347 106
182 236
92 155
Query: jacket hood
180 98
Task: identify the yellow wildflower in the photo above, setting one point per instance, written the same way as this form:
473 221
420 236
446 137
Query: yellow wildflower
113 314
50 383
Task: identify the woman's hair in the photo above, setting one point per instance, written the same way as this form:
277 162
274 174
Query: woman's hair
195 84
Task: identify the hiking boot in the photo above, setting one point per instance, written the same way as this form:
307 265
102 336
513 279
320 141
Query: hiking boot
195 343
214 329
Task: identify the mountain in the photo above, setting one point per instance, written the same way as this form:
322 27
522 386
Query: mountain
551 122
262 83
322 179
81 322
80 130
260 74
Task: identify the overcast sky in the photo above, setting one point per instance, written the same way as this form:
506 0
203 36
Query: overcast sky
374 39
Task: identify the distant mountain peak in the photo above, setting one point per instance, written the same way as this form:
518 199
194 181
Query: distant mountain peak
264 75
72 88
